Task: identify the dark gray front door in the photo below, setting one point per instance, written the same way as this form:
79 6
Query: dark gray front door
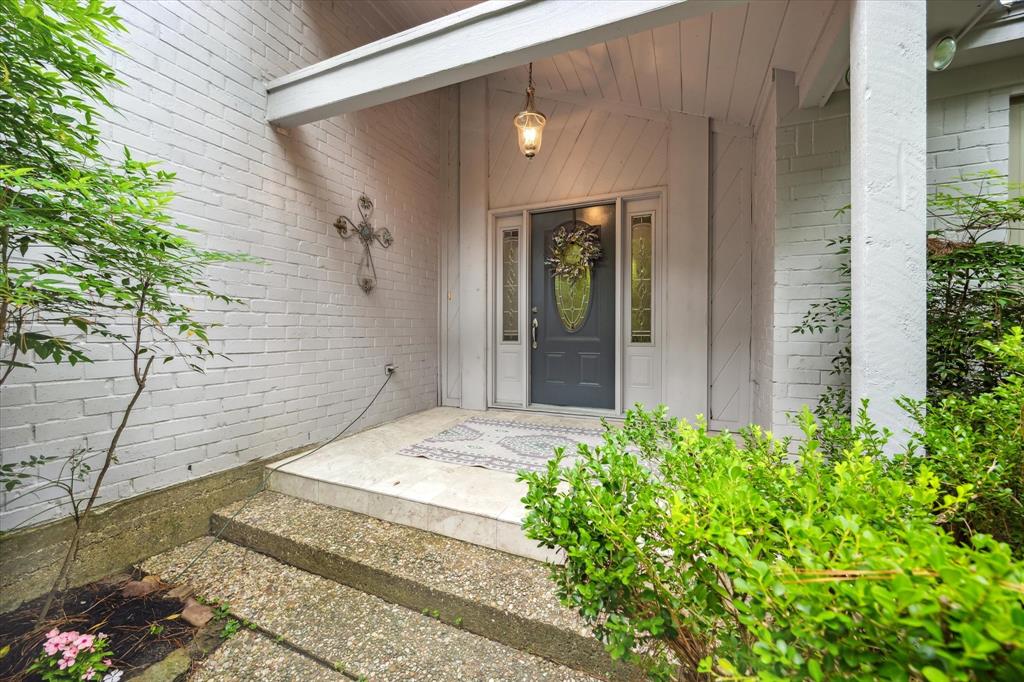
573 368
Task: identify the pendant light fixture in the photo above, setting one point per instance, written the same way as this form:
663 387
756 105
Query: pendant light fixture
529 123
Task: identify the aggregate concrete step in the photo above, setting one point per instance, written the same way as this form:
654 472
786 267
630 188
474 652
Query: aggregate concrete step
254 657
326 628
505 598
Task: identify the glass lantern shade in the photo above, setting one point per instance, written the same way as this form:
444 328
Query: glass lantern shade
530 127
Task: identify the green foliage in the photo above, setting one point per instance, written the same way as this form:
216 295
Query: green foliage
86 244
230 629
975 285
975 444
88 247
51 81
975 290
687 550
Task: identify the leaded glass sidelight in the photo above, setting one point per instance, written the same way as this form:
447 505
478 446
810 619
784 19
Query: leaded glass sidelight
641 252
510 285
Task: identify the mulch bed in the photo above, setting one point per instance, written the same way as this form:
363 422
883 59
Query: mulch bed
141 630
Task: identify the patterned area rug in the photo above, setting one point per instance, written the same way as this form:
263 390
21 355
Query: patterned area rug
502 445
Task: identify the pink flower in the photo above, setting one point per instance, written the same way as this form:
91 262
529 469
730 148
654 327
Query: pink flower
108 661
85 641
89 674
52 634
50 648
63 663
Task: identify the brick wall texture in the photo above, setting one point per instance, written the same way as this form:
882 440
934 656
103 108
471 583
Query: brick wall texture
966 133
307 347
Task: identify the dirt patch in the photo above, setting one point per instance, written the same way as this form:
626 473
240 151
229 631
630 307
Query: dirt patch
141 629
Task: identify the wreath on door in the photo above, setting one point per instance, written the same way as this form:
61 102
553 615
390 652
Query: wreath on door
575 247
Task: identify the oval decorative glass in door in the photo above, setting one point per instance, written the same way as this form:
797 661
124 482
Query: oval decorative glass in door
572 298
575 247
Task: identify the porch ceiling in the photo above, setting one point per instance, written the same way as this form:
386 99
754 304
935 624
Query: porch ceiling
716 65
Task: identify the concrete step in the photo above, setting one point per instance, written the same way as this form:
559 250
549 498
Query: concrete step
306 627
364 473
505 598
254 656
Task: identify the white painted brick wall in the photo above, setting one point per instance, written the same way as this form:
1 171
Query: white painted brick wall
308 347
967 133
812 182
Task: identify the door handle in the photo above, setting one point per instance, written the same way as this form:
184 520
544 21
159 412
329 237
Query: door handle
533 333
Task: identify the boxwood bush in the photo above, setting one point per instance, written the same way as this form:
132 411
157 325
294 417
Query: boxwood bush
700 555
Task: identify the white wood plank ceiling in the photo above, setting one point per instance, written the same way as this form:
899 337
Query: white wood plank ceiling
717 65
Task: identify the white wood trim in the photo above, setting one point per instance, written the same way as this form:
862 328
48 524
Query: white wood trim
828 60
685 374
1005 73
525 281
473 236
576 202
483 39
620 347
449 372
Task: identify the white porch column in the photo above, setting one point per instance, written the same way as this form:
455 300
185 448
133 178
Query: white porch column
473 242
887 127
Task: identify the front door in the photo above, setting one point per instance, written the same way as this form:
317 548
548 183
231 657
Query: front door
572 321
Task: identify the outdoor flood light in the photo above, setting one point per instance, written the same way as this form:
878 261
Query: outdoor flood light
941 53
530 123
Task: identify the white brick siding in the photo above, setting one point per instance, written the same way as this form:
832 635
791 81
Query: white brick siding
967 133
812 183
308 347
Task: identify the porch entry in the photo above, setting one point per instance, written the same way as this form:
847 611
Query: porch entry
572 323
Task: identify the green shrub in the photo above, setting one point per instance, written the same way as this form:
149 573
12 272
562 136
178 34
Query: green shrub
976 443
687 550
975 283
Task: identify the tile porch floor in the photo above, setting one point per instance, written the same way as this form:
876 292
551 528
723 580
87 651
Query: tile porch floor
363 473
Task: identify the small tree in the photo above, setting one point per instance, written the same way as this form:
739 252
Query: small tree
87 246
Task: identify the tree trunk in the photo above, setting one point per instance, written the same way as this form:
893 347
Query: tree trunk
69 558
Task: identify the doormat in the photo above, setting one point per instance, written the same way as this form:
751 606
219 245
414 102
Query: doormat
502 445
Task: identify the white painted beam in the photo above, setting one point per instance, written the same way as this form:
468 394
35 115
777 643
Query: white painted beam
827 62
477 41
888 190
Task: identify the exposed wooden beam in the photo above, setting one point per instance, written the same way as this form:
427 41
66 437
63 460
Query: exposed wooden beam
474 42
829 59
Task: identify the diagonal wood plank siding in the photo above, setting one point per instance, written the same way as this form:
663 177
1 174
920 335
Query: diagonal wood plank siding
729 286
586 151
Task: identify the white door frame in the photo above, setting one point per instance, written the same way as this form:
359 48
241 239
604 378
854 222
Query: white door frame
524 213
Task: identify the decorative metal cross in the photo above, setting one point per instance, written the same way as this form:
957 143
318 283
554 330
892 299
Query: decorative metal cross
346 228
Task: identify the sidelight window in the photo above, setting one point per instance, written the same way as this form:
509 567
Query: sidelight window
510 285
641 254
